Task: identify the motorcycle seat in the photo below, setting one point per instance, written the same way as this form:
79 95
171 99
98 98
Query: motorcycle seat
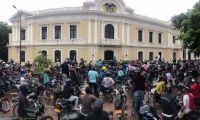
67 104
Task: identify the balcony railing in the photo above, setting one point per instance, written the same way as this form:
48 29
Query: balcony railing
52 42
110 42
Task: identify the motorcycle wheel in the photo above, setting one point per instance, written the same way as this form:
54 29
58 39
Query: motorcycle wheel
5 105
15 110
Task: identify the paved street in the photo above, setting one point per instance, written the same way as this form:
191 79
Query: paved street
107 107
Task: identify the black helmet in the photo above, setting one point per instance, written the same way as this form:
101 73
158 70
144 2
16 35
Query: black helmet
24 89
98 106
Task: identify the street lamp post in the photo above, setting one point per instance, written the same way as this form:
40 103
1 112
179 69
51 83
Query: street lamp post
20 28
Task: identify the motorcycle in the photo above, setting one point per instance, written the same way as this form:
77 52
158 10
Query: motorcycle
5 104
148 113
65 111
107 93
57 94
36 111
120 104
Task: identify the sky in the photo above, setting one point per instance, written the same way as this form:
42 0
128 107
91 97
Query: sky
160 9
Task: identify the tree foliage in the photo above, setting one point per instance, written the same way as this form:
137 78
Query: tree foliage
42 63
189 25
5 29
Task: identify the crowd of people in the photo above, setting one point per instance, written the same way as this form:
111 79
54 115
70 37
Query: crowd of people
104 74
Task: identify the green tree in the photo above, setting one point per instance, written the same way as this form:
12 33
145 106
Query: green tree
5 29
189 25
42 63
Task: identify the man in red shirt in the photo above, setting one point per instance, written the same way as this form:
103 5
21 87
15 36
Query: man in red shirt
195 89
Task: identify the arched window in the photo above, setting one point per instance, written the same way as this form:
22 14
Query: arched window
72 55
140 56
44 53
109 31
57 55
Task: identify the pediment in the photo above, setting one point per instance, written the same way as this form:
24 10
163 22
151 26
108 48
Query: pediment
110 6
23 13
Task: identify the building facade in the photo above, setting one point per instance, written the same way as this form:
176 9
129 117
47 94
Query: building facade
100 29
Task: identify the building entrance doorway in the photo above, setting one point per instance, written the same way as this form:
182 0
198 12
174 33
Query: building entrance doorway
108 55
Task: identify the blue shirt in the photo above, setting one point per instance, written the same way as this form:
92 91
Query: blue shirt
120 73
92 76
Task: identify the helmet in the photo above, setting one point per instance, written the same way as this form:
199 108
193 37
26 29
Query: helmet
98 106
104 68
24 89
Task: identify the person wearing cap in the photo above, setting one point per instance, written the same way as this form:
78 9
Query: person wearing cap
97 111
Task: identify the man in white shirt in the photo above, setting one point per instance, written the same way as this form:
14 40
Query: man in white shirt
186 101
107 82
189 107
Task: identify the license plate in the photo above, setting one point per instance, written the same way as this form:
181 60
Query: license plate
57 110
118 111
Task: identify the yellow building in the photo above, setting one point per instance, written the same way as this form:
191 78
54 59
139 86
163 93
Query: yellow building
100 29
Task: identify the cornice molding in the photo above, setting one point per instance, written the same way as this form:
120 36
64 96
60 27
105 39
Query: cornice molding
93 12
86 14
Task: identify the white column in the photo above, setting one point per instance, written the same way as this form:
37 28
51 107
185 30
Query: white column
89 31
95 31
127 54
91 52
17 33
169 40
13 33
31 33
28 33
128 34
94 54
116 30
123 33
102 30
